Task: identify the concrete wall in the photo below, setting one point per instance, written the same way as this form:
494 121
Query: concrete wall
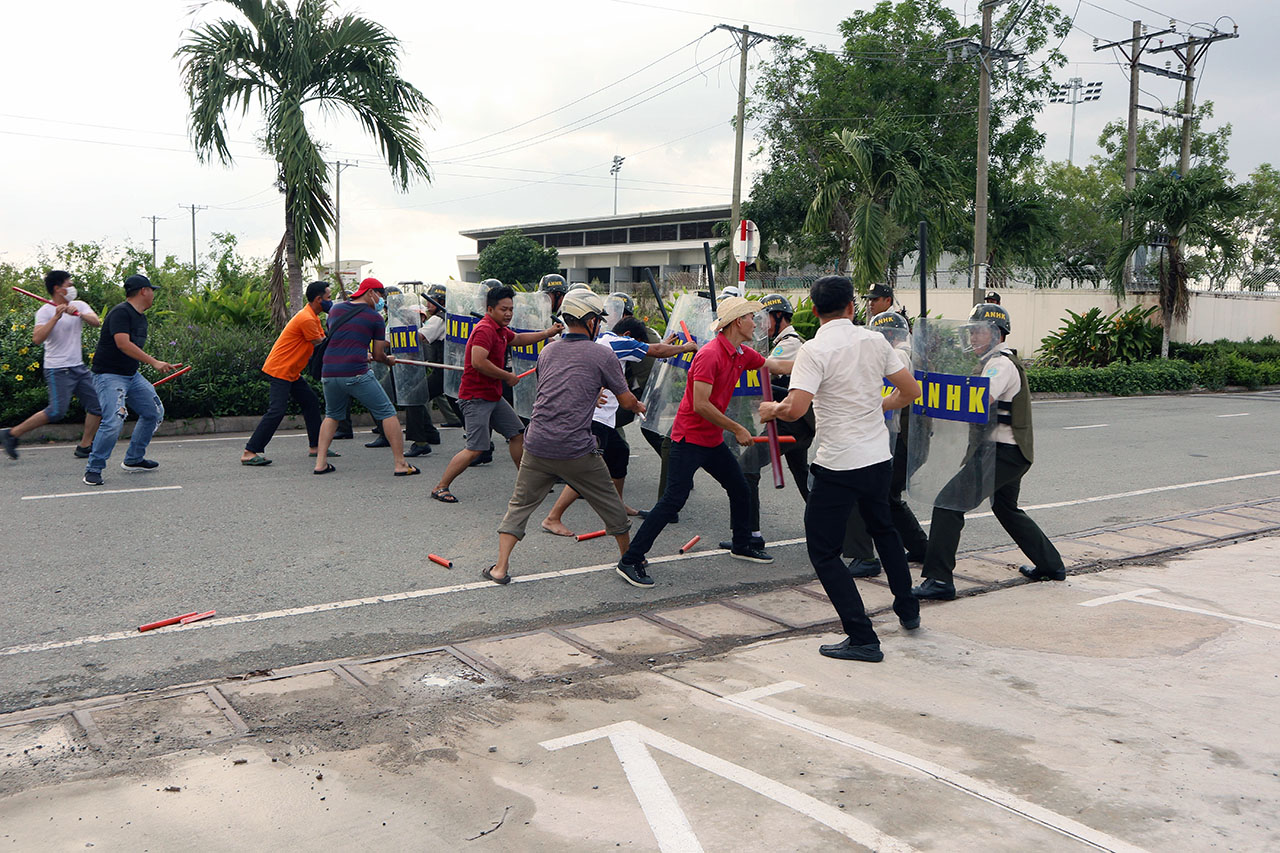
1234 316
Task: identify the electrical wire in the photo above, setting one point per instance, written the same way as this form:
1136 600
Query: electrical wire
722 17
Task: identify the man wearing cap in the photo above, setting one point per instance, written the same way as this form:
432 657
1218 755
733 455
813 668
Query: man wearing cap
841 373
992 297
119 385
879 299
356 332
697 438
289 356
559 442
480 392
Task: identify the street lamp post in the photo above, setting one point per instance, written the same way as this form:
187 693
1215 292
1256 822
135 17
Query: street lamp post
614 170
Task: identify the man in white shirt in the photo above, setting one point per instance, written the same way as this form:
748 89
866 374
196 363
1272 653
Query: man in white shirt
841 372
58 327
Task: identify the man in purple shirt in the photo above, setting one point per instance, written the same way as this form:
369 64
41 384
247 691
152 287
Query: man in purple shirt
558 442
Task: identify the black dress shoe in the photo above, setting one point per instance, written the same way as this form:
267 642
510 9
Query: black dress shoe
864 568
433 438
380 441
418 449
1035 574
909 624
845 650
343 436
933 590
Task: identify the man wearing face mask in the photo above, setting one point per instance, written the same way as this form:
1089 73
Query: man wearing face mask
58 328
357 331
288 358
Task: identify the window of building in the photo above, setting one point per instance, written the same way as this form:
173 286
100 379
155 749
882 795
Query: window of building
655 233
637 273
696 230
606 237
600 274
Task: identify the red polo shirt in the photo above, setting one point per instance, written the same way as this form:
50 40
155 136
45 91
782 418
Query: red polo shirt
494 338
718 364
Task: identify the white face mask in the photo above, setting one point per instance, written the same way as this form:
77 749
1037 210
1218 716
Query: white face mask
71 292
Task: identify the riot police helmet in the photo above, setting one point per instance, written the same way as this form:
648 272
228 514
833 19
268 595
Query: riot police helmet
776 303
628 304
892 325
990 312
553 283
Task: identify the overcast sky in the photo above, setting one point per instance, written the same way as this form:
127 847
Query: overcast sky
533 100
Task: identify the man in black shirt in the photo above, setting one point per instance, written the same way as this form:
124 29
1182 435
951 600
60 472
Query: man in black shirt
120 386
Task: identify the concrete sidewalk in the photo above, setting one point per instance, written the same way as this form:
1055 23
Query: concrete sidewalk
1128 708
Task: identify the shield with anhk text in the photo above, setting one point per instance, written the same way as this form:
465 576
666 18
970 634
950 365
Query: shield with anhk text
531 313
464 307
404 321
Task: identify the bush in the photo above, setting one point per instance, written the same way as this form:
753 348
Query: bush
1267 349
1148 377
1092 340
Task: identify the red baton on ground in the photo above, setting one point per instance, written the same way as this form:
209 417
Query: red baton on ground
782 439
440 561
526 373
164 623
688 545
45 301
196 617
775 455
583 537
171 376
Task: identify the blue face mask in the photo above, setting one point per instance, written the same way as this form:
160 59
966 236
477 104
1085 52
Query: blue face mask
326 305
379 305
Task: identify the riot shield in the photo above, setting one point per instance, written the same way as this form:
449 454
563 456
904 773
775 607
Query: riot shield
382 373
951 454
744 406
532 313
667 380
615 308
403 321
464 305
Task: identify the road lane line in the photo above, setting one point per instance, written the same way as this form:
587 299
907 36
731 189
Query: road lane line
99 492
1088 426
1236 415
1138 596
749 701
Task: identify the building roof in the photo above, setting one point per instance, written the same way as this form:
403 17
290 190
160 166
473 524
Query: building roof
653 217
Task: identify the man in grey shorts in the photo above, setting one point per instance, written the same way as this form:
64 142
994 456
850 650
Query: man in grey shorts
559 442
480 392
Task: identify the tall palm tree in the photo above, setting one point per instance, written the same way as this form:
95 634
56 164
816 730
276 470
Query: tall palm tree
291 63
876 185
1022 230
1177 213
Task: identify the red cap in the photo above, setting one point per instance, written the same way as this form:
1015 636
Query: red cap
367 285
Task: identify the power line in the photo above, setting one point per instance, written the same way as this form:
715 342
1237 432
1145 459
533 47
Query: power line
721 17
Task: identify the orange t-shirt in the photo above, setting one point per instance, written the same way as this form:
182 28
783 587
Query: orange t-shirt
293 348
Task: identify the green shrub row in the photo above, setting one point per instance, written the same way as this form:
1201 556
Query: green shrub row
1154 377
1267 349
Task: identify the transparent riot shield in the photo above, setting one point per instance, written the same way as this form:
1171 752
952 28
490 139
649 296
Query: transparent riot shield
614 310
532 313
403 325
951 454
669 376
382 373
744 406
464 305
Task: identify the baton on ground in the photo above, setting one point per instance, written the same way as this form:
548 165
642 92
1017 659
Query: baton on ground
583 537
174 375
440 561
684 549
662 306
196 617
775 455
164 623
429 364
70 311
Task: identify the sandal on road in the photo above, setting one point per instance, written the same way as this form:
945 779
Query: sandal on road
487 574
412 470
444 496
257 461
327 469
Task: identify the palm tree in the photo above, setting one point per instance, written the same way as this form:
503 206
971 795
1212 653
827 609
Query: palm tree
291 63
1177 213
876 184
1022 229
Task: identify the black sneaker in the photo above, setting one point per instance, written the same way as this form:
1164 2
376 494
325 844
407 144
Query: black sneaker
140 465
751 554
756 542
83 452
9 442
864 568
634 575
92 478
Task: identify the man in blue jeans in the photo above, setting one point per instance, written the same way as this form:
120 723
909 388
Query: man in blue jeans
119 385
356 331
841 372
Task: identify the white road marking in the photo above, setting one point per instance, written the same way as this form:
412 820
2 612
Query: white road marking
634 738
1139 596
749 701
1236 415
98 492
1088 426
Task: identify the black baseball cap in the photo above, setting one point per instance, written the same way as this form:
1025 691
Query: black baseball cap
136 282
880 289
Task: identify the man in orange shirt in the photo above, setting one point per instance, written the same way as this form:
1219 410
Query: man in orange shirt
284 366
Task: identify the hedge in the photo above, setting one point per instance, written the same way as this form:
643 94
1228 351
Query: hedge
1154 377
1267 349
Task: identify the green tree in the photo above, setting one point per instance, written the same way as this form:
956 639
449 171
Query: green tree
1179 214
1261 226
1160 143
1076 195
514 258
1022 230
291 62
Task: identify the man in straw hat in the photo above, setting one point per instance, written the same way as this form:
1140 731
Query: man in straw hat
697 437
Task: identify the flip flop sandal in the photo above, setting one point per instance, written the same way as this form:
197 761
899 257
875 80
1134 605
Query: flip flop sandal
412 471
330 454
325 470
444 496
257 461
486 574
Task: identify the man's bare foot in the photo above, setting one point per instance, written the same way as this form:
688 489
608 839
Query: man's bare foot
556 526
632 511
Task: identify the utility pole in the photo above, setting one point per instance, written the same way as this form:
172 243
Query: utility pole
338 166
1190 52
153 219
1075 92
614 170
194 208
748 40
984 157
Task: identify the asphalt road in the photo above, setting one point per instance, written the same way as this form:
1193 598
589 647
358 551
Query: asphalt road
301 568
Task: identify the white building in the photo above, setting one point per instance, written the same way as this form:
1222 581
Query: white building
615 250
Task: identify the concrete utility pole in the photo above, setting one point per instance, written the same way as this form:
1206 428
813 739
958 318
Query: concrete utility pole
748 40
1190 52
153 219
984 157
194 208
338 166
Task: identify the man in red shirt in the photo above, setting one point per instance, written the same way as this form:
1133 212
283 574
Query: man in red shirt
480 392
697 438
